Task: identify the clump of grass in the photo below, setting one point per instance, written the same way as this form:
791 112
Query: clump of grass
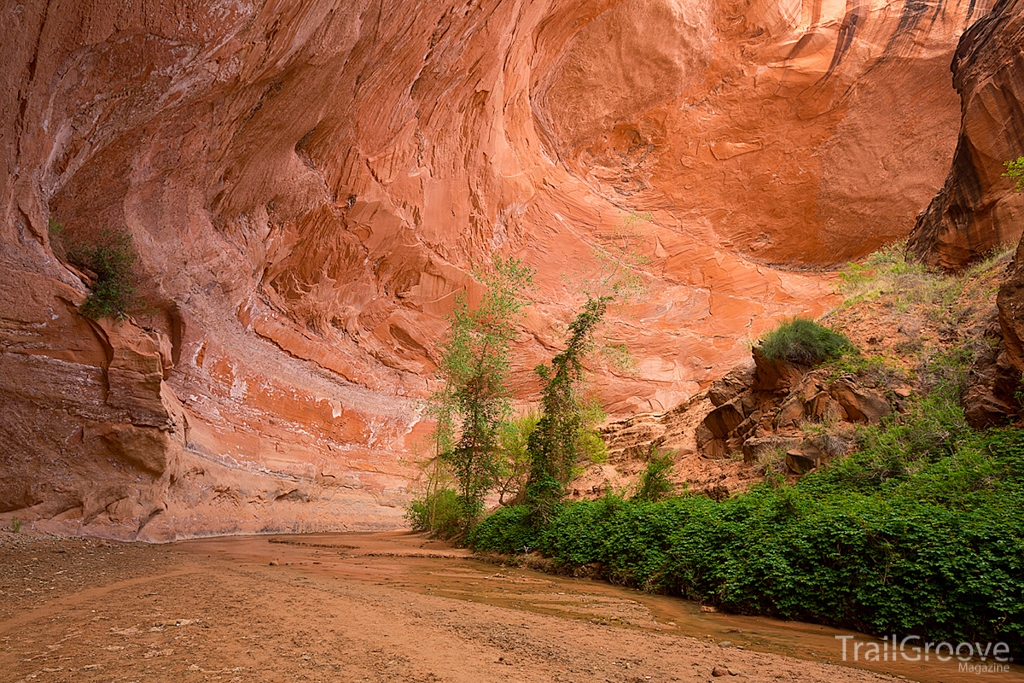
888 272
834 440
16 525
880 370
772 461
112 258
801 340
991 260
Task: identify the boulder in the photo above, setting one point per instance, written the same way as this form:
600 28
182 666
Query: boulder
723 420
990 396
708 444
861 404
823 408
791 413
748 426
735 382
803 458
776 376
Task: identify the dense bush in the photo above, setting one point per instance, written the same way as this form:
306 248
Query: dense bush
112 259
936 548
439 512
803 341
507 530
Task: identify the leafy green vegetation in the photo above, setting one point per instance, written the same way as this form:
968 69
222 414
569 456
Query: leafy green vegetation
439 511
474 403
801 340
1015 169
112 259
16 525
554 446
654 484
939 552
514 457
919 532
477 447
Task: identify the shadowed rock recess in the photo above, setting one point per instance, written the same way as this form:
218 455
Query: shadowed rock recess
309 182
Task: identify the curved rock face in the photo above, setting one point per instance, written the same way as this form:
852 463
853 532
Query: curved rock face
977 209
308 183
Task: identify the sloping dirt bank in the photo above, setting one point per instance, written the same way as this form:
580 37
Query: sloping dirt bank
371 607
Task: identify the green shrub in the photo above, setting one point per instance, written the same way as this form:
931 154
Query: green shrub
112 258
801 340
508 530
933 428
16 525
936 551
439 512
654 483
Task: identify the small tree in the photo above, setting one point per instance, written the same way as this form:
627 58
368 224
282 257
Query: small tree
513 466
554 444
564 433
475 402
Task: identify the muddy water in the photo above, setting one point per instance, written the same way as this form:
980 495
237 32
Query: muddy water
411 562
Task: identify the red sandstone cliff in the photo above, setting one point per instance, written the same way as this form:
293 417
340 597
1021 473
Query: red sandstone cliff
309 181
977 209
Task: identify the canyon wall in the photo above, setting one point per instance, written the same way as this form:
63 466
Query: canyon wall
309 182
977 209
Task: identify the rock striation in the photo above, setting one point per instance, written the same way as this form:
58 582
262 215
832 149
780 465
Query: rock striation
309 182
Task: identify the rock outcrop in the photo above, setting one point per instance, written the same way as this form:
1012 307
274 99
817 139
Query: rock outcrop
781 398
308 183
977 209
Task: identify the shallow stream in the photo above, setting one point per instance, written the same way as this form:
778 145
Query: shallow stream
414 563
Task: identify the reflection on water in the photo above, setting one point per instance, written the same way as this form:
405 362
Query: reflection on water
414 563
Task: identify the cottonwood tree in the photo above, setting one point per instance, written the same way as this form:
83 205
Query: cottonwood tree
475 401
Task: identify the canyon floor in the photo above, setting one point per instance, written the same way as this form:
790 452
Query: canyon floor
371 607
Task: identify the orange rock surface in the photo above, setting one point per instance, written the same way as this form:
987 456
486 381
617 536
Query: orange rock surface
309 182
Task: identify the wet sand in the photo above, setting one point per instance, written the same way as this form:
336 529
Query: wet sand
375 607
